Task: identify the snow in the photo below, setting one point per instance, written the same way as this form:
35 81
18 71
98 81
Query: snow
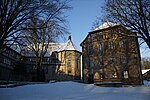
74 91
145 70
146 83
52 47
106 25
70 46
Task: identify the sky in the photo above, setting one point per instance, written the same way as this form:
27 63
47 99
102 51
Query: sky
81 18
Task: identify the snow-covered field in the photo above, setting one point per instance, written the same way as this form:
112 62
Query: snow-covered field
74 91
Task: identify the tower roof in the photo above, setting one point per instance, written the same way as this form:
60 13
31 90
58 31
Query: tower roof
69 45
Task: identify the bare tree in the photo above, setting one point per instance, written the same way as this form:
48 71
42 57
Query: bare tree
145 62
40 32
15 15
133 14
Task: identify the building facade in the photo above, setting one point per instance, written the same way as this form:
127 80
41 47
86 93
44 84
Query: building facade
109 55
8 60
61 62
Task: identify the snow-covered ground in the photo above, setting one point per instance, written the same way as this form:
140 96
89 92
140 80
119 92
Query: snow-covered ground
74 91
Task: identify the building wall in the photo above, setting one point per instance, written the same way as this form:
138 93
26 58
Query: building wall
70 67
109 56
63 65
8 60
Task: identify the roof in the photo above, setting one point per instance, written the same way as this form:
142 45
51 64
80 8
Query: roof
145 70
69 45
101 27
56 47
105 25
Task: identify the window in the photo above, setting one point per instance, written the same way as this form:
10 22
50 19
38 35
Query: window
122 43
115 75
69 71
101 47
89 40
113 60
91 64
77 63
111 45
45 69
101 63
7 61
100 35
34 67
105 35
69 62
109 33
90 49
125 73
106 45
94 37
123 59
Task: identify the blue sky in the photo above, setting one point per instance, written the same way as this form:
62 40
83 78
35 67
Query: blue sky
81 18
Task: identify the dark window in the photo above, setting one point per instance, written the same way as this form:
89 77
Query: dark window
34 67
109 33
101 47
91 64
123 59
100 35
122 43
90 49
113 60
101 63
94 37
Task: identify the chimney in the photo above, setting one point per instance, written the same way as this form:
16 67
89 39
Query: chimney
69 38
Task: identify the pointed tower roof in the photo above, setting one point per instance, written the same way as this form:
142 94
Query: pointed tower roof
69 45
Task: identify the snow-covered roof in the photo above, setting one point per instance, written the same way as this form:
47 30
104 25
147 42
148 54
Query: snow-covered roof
55 47
69 45
145 70
105 25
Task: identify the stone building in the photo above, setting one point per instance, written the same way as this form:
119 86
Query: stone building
8 60
109 55
61 62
